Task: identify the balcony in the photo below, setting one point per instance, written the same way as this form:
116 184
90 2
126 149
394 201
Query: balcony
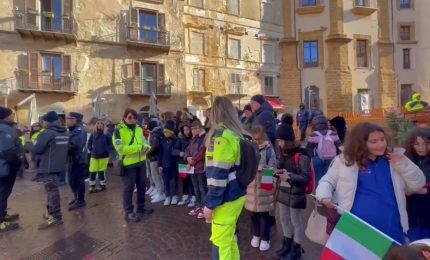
45 82
139 87
37 25
364 7
236 92
150 38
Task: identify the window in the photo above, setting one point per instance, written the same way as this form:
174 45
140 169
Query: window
405 93
363 99
267 15
405 32
234 49
147 26
268 53
310 54
362 3
406 58
49 70
405 4
234 7
197 3
309 3
235 83
148 78
197 43
361 52
268 85
198 79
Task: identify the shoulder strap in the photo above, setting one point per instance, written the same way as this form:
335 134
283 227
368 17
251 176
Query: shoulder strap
297 160
268 155
118 136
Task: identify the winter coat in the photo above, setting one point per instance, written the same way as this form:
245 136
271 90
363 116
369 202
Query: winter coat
418 205
257 199
302 117
197 150
155 140
340 184
11 150
99 145
247 123
182 145
78 153
295 187
167 156
264 117
51 148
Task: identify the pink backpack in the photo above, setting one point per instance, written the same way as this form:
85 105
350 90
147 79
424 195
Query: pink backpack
326 149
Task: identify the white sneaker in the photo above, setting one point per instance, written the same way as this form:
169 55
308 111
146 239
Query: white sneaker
135 190
192 203
158 198
174 200
255 242
184 200
264 245
167 201
149 191
153 192
87 180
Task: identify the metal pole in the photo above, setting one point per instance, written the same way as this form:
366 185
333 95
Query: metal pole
5 101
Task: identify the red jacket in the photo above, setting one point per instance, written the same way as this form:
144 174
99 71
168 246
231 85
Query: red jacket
197 150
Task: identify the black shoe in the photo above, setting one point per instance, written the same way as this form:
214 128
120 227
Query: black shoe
77 205
286 247
145 211
50 222
11 217
73 201
102 188
132 217
295 253
8 226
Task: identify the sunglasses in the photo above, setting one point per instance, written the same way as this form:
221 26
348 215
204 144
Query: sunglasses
130 117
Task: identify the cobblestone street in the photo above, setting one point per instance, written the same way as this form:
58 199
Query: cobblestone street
100 232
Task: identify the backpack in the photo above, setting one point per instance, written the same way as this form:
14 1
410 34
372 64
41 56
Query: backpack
249 160
326 149
312 183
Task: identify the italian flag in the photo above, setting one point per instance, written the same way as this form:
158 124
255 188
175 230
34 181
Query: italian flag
353 238
266 179
183 172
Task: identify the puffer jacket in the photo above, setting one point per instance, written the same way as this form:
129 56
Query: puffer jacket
340 184
257 199
295 187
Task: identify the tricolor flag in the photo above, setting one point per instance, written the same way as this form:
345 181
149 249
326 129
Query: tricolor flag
266 179
353 238
183 171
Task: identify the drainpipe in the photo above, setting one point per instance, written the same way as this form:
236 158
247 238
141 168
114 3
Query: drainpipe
297 52
394 56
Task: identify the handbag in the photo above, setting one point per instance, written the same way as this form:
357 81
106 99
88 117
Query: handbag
121 162
4 168
280 194
316 227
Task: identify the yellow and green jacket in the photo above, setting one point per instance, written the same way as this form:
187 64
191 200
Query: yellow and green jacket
132 153
36 135
416 104
222 159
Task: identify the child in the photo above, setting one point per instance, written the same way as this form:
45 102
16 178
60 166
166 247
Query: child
292 192
324 144
260 201
168 163
370 181
195 154
99 146
418 205
187 186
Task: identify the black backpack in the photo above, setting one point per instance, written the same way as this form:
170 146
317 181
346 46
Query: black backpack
249 160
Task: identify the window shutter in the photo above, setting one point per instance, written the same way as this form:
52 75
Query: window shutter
161 22
136 77
33 69
203 80
47 5
31 4
195 79
160 79
134 24
67 7
66 64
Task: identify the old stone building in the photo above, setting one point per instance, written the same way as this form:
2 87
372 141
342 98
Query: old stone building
338 55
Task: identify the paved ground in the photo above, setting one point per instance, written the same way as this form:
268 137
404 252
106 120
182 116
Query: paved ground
100 232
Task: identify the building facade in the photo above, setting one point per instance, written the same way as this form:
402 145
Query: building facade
336 55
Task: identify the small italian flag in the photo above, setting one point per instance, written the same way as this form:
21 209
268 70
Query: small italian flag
353 238
266 179
183 171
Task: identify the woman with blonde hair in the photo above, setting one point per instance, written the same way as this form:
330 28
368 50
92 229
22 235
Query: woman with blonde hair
226 197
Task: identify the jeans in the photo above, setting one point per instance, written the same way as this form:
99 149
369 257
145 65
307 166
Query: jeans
156 177
77 175
187 186
170 178
303 127
260 225
53 202
6 186
135 176
200 188
321 167
292 223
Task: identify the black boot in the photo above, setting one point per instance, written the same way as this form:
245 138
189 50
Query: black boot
295 253
285 249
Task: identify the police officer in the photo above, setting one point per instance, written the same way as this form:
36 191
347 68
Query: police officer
78 159
51 149
302 120
11 154
416 104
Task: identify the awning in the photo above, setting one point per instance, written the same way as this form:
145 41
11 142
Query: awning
276 103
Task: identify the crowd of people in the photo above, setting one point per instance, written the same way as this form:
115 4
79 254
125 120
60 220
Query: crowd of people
384 186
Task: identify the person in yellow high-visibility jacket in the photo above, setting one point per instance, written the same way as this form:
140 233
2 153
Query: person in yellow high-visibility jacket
416 104
226 197
132 148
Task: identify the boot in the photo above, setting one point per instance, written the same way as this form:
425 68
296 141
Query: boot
102 187
78 204
8 226
92 188
50 222
11 217
295 253
73 201
286 247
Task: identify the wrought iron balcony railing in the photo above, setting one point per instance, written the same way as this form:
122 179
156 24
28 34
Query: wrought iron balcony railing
148 88
45 22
